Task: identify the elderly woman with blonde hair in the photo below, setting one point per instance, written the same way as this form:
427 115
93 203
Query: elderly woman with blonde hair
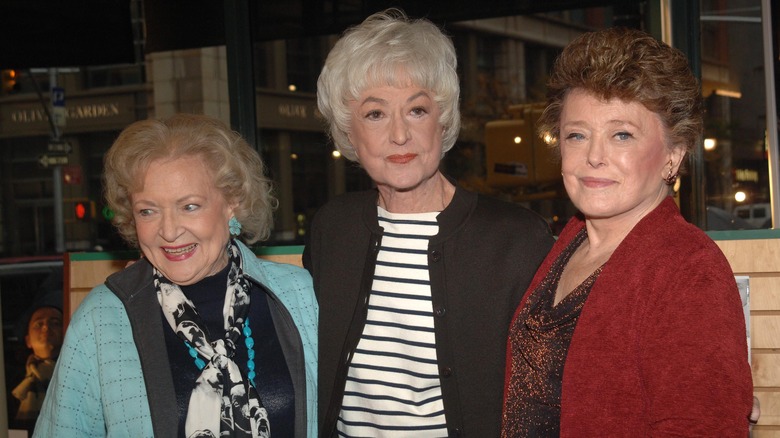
198 338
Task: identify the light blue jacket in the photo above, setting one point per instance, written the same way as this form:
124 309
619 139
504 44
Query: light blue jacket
113 378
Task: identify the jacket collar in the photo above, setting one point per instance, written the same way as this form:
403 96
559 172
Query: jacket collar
450 220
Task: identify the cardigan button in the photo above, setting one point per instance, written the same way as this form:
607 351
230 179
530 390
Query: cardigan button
439 311
435 256
445 371
455 432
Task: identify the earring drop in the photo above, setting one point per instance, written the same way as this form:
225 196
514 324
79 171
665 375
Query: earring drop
234 226
670 178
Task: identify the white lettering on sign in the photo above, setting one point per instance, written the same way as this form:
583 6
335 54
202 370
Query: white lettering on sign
89 111
93 111
292 110
52 160
28 116
746 175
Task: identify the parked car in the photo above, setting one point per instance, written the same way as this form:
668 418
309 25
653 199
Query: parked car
719 219
759 215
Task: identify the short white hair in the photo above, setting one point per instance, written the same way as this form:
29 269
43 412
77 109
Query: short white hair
388 48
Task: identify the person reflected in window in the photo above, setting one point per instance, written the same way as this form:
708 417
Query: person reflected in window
44 338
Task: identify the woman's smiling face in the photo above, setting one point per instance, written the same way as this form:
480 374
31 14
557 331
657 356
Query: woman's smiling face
614 156
182 220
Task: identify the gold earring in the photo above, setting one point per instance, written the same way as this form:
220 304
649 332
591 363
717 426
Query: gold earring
671 178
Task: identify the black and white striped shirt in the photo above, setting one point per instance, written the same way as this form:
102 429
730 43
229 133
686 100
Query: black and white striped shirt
393 385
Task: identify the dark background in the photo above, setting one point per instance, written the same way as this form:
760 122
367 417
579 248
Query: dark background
56 33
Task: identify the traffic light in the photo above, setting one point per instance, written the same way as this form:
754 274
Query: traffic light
9 78
82 210
108 214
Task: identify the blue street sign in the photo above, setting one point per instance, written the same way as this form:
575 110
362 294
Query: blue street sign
57 97
58 113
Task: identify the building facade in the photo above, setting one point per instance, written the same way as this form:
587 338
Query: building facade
49 172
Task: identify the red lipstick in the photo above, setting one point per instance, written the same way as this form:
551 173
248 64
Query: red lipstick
401 159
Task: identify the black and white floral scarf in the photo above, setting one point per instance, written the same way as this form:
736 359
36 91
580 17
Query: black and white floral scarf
224 403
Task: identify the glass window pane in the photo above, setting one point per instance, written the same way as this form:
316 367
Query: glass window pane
734 89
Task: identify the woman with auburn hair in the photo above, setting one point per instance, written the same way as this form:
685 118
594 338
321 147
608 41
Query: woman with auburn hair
633 324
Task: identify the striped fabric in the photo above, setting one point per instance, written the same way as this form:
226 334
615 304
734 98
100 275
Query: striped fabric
393 386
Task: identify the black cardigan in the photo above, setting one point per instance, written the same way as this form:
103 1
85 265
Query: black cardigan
481 261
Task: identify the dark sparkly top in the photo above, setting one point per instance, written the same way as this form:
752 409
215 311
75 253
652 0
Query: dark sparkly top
539 340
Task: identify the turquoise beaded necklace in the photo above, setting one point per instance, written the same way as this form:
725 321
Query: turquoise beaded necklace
250 353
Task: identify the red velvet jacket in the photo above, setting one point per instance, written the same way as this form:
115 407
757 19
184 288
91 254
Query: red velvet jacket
660 347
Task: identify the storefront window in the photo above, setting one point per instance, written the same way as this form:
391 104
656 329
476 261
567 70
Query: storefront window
735 152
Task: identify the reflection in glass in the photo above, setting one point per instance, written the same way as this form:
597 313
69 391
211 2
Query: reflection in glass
733 85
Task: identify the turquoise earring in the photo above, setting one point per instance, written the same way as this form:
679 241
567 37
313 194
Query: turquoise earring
235 226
